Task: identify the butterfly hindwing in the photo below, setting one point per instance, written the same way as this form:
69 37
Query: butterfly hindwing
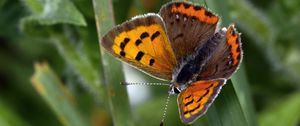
194 101
226 57
188 26
143 43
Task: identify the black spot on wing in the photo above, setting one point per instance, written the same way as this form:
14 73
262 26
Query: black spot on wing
138 42
206 93
177 4
209 86
156 34
151 62
126 40
197 8
124 43
122 53
144 35
207 13
198 106
188 97
186 6
190 102
185 112
200 99
139 56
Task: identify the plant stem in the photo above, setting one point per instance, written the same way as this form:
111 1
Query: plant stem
112 69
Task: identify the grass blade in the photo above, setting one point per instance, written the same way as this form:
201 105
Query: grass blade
80 64
112 69
242 89
56 95
226 110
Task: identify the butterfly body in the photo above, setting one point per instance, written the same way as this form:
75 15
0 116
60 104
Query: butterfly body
181 45
191 67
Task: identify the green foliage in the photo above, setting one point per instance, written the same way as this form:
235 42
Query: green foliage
48 85
285 112
50 12
81 84
227 111
10 118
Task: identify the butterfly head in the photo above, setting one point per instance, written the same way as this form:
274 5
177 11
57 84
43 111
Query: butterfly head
176 88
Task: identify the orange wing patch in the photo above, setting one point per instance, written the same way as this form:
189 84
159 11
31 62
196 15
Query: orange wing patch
198 12
233 40
195 100
143 43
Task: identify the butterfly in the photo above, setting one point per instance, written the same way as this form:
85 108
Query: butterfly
180 44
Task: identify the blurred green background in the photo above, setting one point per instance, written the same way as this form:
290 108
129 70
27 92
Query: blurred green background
52 72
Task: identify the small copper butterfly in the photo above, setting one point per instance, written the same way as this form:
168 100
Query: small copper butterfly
180 44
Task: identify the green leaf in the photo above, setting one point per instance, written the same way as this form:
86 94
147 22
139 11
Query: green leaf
112 69
48 85
80 63
50 12
243 92
8 117
284 112
226 109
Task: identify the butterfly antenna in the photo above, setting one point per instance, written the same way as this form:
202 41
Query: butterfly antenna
148 84
165 111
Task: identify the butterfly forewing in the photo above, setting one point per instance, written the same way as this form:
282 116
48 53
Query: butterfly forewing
226 57
188 26
143 43
194 101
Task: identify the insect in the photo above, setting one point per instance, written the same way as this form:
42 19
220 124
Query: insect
180 44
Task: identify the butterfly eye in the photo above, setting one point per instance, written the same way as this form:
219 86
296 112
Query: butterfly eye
176 90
